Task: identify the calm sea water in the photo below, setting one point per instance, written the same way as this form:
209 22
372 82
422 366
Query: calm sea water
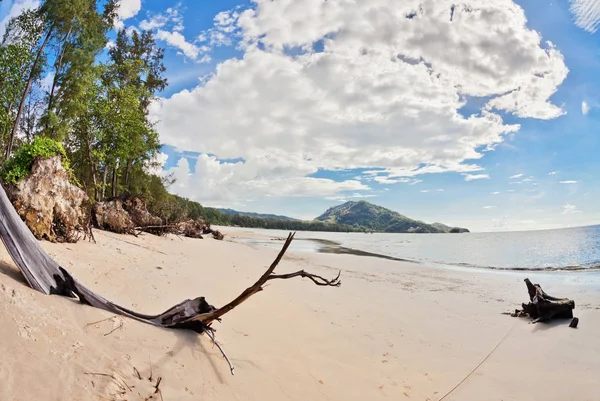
568 249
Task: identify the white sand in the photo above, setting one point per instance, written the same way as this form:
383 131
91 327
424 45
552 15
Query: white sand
391 331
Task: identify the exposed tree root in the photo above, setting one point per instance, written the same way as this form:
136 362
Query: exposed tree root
543 307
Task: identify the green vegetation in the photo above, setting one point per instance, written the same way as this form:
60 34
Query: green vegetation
371 217
19 166
97 106
448 229
276 224
232 212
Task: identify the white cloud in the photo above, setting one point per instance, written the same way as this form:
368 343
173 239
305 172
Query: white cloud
153 23
224 183
15 10
471 177
345 198
553 173
516 176
386 180
224 31
128 9
176 39
511 190
586 13
585 108
171 17
168 27
156 164
528 179
570 209
568 182
46 82
495 193
360 85
489 207
426 190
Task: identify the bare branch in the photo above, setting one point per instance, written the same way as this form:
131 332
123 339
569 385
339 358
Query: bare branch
210 333
209 317
318 280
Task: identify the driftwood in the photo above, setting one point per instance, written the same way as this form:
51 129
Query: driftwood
543 307
45 275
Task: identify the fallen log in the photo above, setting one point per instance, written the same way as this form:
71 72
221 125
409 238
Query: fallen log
46 276
543 307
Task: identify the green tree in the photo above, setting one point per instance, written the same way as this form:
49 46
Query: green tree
17 54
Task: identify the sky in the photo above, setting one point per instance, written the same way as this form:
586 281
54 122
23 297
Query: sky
484 114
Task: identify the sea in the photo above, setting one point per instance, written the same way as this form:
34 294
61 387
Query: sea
569 249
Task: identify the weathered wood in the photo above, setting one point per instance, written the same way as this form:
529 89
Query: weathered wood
543 307
45 275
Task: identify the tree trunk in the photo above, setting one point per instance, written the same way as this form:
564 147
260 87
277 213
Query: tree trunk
25 93
6 129
127 170
92 166
104 181
114 179
56 73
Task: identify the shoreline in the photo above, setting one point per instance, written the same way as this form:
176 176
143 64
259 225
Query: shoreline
393 330
334 247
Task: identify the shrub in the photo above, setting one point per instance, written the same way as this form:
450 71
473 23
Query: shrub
19 166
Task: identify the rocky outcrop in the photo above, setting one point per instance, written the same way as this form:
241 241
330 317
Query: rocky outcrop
138 212
458 230
190 228
111 216
129 215
52 207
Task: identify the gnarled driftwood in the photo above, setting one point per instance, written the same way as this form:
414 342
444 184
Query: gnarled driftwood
543 307
45 275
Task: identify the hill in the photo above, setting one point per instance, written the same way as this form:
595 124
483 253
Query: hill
377 218
232 212
448 229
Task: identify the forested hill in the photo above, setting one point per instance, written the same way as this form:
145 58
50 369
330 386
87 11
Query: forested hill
232 212
376 218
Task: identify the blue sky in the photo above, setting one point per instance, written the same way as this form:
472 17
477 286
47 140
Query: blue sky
293 106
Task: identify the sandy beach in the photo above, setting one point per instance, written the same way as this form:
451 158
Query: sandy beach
391 331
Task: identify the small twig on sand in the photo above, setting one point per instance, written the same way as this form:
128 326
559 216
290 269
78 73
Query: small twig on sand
112 377
118 327
137 373
100 321
156 389
211 335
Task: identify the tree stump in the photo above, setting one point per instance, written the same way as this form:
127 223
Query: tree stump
543 307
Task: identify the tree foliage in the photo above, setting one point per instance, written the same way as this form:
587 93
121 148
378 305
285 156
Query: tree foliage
19 166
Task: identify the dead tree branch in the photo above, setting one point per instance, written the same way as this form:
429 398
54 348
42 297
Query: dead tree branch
208 318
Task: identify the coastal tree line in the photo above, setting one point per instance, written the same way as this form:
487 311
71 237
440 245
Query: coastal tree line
60 79
63 82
